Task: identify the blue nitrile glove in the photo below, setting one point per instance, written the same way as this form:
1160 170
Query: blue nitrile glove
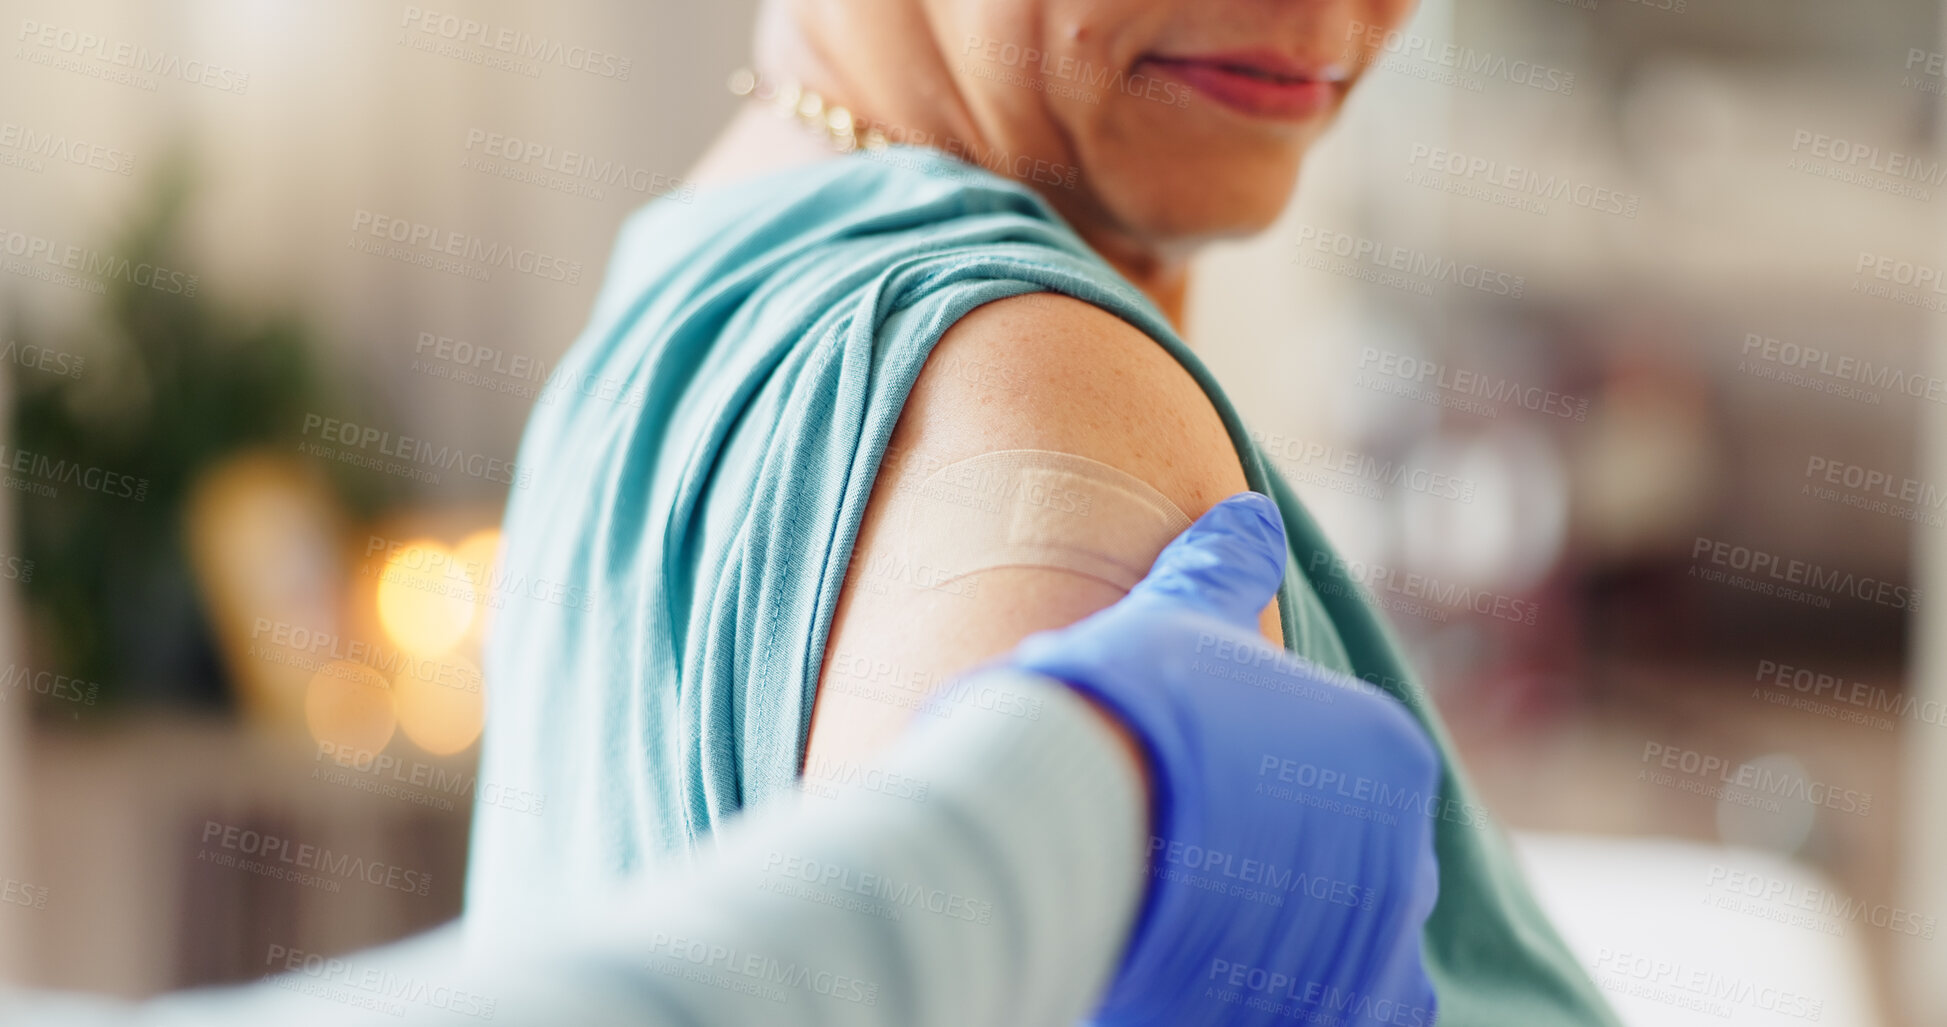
1291 867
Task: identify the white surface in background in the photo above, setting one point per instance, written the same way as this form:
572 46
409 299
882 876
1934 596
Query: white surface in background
1672 935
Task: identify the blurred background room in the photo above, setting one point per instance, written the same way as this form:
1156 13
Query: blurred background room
1605 337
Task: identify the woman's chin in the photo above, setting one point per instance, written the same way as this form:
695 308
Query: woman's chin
1189 205
1188 178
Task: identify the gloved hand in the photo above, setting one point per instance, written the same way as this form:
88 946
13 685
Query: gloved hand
1291 867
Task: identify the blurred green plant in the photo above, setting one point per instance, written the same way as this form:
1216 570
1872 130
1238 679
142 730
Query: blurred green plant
172 382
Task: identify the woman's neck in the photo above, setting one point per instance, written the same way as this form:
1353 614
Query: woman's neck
917 95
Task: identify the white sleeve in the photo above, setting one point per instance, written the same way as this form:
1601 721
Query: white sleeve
990 875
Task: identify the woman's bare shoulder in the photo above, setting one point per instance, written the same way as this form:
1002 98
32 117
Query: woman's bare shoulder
1035 372
1048 371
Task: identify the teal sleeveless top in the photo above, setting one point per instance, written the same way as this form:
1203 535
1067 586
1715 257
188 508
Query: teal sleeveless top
690 523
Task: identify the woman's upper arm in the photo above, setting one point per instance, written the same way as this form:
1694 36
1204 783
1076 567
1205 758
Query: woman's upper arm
1034 372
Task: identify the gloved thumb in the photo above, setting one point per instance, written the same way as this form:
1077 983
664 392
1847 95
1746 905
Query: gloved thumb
1228 563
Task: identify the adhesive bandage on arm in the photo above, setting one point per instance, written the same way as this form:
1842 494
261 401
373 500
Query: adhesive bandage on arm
1038 508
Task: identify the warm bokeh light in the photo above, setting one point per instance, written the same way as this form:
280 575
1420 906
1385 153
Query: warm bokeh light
479 554
440 703
347 705
425 598
262 532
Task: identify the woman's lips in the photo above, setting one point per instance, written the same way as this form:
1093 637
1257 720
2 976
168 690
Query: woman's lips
1259 85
